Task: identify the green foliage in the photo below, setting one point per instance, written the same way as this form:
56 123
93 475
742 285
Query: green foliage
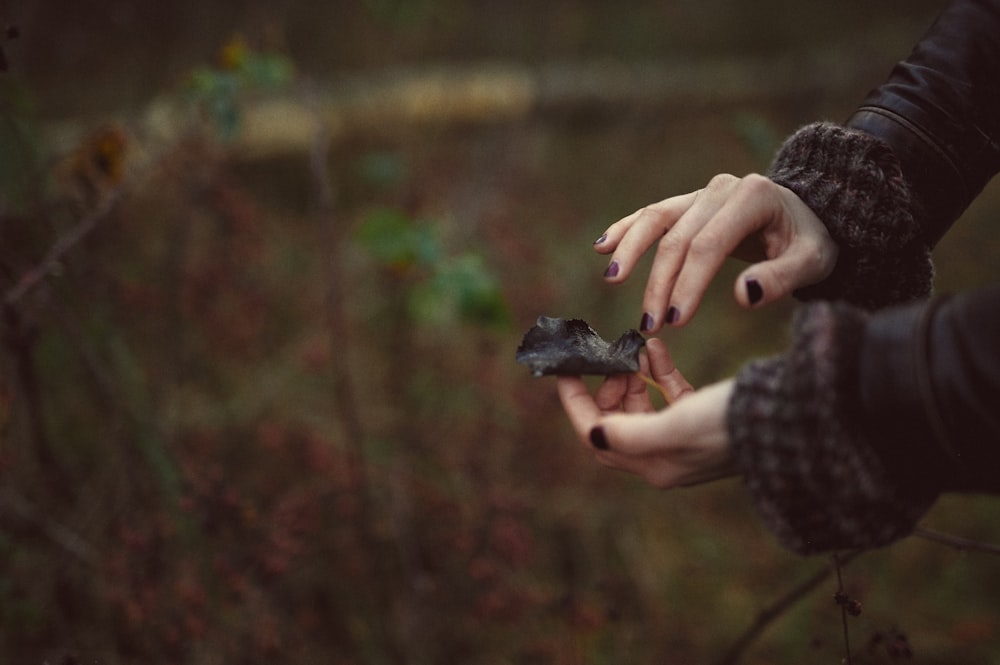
398 243
462 287
439 287
219 89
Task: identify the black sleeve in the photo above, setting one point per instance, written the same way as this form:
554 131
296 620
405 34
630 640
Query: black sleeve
804 450
930 388
847 439
939 111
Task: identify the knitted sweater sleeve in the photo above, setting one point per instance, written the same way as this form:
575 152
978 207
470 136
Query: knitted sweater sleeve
797 432
853 182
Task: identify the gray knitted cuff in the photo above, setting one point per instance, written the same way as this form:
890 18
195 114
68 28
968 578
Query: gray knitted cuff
794 425
853 182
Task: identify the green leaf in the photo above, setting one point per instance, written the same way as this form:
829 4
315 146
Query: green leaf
396 241
462 289
266 70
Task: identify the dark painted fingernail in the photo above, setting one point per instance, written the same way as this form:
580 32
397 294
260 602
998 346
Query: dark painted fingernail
601 239
673 314
646 324
612 270
598 439
754 291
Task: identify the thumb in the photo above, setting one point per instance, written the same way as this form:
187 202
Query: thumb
772 280
683 445
631 434
639 444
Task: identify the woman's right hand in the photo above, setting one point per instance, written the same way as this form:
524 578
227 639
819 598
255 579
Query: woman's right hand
752 218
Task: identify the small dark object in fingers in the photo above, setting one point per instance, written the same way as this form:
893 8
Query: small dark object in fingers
571 347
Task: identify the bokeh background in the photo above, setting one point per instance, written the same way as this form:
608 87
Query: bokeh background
265 266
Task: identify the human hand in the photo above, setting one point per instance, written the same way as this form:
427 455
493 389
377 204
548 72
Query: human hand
684 444
751 218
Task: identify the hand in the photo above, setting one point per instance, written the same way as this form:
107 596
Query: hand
685 444
752 218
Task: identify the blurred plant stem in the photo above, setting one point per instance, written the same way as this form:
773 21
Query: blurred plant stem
959 543
376 606
778 608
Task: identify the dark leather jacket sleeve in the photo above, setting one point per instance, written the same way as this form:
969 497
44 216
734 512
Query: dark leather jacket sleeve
939 110
930 389
884 398
930 373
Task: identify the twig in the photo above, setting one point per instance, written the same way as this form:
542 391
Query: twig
62 246
774 611
346 398
959 543
843 610
654 384
59 534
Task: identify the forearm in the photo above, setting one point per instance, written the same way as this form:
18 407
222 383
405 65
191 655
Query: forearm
853 182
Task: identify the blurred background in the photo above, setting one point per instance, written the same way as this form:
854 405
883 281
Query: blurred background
265 266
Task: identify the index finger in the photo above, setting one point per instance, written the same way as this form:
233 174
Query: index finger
631 236
753 206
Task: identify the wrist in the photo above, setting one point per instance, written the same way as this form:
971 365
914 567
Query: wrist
854 184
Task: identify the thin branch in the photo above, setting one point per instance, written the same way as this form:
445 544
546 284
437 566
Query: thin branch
346 398
58 533
776 609
837 563
957 542
62 247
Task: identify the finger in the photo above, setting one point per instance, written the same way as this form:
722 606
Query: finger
665 372
753 204
637 392
808 258
634 440
610 394
579 406
772 280
659 306
630 237
682 445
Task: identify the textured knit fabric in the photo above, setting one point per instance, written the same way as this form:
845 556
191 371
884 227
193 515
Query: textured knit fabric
853 182
797 436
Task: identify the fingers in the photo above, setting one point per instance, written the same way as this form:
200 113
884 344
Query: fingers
696 232
737 209
665 372
660 303
631 236
581 408
618 393
683 445
806 257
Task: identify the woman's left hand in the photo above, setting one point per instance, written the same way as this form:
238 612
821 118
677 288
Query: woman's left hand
684 444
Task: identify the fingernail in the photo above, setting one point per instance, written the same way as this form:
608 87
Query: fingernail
754 291
646 324
598 439
612 270
673 314
601 239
